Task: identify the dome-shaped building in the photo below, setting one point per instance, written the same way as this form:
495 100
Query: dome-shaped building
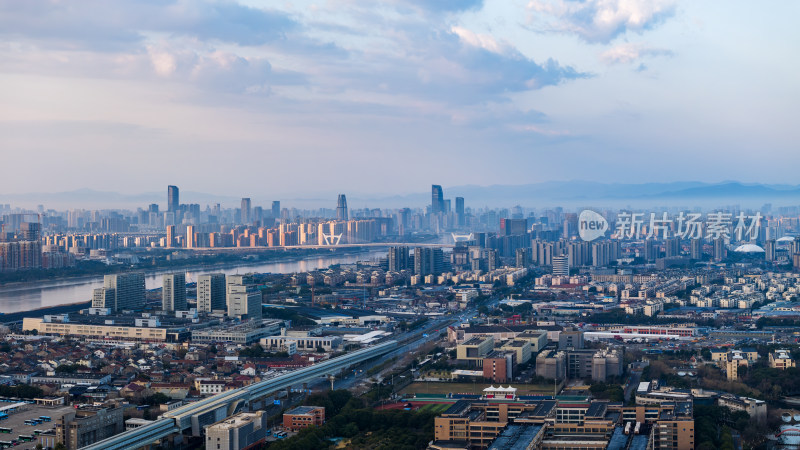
749 248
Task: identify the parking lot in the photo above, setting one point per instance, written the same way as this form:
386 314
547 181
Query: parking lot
16 421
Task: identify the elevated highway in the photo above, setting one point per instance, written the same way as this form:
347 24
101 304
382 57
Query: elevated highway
193 417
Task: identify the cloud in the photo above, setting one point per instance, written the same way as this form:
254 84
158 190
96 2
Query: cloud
598 20
101 25
628 53
483 41
447 5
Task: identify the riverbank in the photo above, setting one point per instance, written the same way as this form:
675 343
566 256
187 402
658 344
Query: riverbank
33 296
79 279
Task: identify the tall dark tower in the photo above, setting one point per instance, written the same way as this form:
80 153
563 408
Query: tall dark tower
173 198
437 199
341 208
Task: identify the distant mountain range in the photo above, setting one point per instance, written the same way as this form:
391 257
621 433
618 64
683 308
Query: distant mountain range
546 194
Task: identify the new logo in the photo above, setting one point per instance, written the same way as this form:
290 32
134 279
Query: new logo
591 225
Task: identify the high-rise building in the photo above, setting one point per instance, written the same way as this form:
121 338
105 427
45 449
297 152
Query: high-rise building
673 247
341 207
276 209
561 266
696 249
460 211
523 256
719 249
173 198
103 298
190 238
245 211
128 291
769 250
578 253
171 236
437 199
603 252
428 261
173 292
513 227
211 292
398 259
243 298
651 249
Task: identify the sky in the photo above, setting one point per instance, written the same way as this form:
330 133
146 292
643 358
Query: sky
314 97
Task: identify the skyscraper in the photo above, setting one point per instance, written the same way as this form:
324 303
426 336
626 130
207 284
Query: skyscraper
128 291
437 199
460 211
211 292
245 210
276 209
173 198
173 292
341 208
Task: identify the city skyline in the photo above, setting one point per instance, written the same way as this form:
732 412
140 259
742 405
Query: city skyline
550 89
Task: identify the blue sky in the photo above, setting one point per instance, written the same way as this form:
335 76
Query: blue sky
307 97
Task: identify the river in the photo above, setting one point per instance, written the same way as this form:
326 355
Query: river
28 296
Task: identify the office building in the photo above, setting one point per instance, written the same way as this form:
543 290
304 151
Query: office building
437 199
238 432
561 266
211 292
173 198
246 333
173 292
245 211
304 417
570 340
341 208
86 425
474 350
276 209
781 359
129 291
511 227
103 298
243 298
498 366
460 211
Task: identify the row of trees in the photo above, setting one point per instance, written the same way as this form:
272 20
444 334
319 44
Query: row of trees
349 418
